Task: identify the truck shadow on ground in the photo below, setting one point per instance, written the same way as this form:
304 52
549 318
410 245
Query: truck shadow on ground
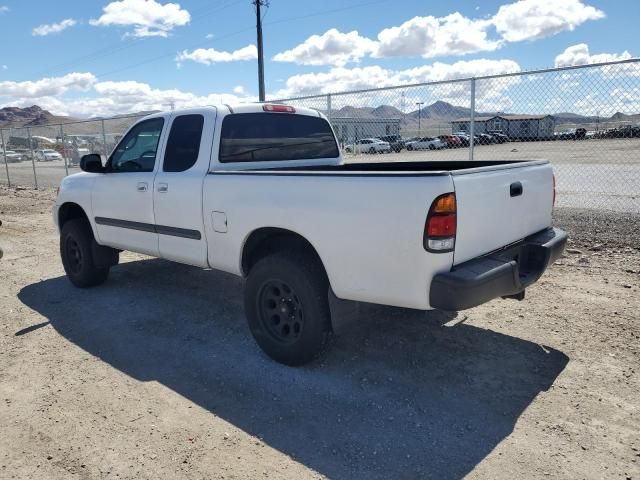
401 396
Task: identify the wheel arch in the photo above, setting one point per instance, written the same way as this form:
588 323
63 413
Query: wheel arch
70 210
266 240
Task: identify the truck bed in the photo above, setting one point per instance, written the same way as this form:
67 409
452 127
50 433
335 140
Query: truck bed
424 168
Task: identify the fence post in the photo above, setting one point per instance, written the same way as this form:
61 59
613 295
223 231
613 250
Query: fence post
4 155
64 152
33 159
104 140
472 118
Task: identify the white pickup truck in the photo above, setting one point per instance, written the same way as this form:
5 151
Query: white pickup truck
261 191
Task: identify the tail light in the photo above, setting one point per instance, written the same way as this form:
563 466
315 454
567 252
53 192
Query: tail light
440 229
267 107
554 190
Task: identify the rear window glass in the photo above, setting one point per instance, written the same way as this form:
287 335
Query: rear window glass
265 137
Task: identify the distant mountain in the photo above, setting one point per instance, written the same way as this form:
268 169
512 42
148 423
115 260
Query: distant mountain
386 111
29 116
442 111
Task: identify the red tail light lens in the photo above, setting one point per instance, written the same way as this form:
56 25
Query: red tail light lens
267 107
440 229
442 225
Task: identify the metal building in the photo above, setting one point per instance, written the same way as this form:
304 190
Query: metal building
351 129
522 127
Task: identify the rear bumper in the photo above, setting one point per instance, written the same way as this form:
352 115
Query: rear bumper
503 273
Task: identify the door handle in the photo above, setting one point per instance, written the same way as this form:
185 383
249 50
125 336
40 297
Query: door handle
163 187
515 189
142 187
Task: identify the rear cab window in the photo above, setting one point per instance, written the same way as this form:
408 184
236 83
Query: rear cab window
268 137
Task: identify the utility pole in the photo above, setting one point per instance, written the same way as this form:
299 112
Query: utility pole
258 4
419 114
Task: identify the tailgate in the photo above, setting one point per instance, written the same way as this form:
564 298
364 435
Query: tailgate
500 205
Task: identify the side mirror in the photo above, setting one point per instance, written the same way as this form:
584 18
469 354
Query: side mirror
91 163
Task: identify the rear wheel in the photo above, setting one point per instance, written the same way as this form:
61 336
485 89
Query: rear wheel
372 150
77 253
287 307
409 147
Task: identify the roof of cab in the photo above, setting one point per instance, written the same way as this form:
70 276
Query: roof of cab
227 109
256 107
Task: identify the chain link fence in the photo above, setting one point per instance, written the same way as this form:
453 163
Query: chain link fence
40 156
585 120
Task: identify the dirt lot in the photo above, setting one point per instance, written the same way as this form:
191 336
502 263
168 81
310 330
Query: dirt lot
155 375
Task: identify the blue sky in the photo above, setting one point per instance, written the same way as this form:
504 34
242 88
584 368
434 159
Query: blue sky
104 57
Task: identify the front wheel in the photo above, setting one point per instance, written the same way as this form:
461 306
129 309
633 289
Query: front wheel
287 307
77 253
409 148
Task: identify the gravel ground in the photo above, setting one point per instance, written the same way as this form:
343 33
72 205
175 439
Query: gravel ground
155 375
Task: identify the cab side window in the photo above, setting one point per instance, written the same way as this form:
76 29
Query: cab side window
183 145
137 150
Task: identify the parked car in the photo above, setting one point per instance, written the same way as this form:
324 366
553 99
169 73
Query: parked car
485 139
464 139
451 141
369 145
572 134
11 156
499 137
25 154
426 143
261 191
46 155
395 142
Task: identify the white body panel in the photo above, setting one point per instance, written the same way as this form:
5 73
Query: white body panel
489 218
367 227
368 231
177 199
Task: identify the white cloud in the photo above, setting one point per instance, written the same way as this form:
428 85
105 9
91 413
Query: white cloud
579 55
453 34
3 9
533 19
340 79
209 36
331 48
47 86
4 67
210 56
148 17
122 97
239 90
430 37
48 29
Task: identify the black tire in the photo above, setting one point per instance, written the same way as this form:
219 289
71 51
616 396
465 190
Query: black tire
372 150
77 247
409 147
287 307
